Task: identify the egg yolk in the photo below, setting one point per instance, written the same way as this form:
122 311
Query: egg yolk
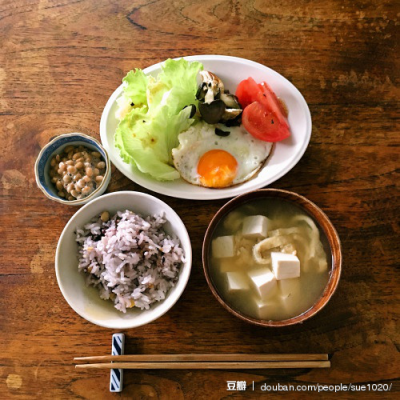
217 168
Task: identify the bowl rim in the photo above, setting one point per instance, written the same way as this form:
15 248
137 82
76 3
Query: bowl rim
76 202
322 221
182 281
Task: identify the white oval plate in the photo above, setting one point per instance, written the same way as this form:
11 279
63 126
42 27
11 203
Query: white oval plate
285 155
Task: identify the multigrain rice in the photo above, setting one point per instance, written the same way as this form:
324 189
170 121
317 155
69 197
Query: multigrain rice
129 259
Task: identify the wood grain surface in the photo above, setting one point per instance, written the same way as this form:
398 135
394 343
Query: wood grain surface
60 60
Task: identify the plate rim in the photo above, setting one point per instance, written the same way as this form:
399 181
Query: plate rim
209 194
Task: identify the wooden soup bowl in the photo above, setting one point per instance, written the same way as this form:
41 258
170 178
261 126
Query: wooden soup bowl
323 223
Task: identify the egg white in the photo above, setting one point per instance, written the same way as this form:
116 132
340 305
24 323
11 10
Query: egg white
249 152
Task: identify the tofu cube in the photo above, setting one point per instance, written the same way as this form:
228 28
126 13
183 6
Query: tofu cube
285 266
223 247
289 287
236 281
264 282
255 226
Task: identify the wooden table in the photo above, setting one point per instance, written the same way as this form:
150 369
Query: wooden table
60 61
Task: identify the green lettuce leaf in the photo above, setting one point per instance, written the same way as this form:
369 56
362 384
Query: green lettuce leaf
135 86
148 133
140 143
181 75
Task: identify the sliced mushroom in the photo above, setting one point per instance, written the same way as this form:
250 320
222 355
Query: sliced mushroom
230 113
212 112
220 132
211 91
230 100
201 91
214 86
233 122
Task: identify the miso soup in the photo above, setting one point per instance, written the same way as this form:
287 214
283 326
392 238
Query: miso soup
268 259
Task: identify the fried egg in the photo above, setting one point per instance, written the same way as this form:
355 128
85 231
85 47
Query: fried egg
204 158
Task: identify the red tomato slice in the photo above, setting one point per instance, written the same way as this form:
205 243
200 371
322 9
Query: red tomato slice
270 94
246 92
264 124
264 116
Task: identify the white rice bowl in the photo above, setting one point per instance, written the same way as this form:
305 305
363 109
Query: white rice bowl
149 304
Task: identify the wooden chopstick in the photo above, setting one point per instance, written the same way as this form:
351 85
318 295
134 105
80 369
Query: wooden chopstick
206 357
207 365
